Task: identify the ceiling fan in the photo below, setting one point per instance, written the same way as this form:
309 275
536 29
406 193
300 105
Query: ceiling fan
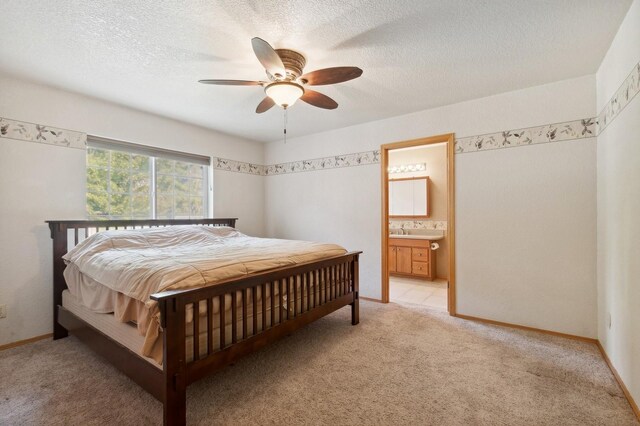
286 83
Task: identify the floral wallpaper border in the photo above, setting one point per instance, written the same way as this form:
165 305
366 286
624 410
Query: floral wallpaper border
333 162
237 166
570 130
440 225
31 132
623 96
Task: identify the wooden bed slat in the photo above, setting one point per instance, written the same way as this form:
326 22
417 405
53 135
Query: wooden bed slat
281 301
196 330
209 326
244 313
223 322
289 301
303 292
346 278
296 279
316 289
310 294
234 317
263 294
272 296
335 278
254 296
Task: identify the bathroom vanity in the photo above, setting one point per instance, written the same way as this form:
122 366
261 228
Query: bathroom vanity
411 256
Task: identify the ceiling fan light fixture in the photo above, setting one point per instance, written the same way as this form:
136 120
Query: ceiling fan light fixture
284 93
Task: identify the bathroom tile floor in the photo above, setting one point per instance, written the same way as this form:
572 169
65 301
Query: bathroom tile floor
418 292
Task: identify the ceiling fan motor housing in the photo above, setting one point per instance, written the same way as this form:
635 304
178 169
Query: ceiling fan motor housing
293 62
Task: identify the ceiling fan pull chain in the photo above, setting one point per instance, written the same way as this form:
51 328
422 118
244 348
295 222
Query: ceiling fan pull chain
285 125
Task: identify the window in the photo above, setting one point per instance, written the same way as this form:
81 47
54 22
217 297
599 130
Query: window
127 181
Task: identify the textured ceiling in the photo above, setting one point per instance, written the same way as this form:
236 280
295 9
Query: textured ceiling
415 54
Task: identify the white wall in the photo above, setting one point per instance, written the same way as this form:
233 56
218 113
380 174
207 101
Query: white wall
619 210
40 182
525 235
502 274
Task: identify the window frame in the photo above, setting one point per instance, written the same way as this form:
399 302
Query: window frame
153 154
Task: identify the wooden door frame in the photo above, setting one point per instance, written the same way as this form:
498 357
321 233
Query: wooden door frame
449 139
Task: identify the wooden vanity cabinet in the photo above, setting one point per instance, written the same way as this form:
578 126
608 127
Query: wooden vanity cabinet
411 257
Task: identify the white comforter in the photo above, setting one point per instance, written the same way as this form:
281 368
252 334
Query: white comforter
138 263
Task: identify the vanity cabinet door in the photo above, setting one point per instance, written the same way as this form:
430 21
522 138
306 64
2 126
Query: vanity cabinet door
392 258
421 268
403 259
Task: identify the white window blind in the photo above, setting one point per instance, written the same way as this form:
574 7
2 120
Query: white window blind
131 181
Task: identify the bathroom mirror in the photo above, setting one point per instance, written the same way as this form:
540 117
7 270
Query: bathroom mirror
409 197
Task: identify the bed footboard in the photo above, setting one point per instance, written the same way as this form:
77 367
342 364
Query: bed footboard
263 308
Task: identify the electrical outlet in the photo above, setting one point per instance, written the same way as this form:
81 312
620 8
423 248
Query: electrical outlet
3 311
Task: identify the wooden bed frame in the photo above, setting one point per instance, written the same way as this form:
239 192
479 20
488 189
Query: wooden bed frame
336 280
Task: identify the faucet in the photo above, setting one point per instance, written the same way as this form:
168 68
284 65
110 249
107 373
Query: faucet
402 230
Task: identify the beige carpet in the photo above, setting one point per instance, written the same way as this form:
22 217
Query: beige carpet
401 365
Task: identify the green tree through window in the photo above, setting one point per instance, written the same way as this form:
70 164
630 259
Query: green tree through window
124 185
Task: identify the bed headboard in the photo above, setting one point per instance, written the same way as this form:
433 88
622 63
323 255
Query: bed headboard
67 234
90 227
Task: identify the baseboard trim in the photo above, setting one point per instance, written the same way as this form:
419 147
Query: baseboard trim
25 341
371 299
524 327
626 392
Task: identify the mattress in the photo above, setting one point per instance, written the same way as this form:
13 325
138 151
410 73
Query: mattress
124 333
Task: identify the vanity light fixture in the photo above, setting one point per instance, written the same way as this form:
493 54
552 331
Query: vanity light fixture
407 168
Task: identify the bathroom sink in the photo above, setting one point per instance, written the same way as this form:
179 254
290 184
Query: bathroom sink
417 237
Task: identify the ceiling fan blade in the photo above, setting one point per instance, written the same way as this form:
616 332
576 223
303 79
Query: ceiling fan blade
319 100
331 75
232 82
265 105
268 57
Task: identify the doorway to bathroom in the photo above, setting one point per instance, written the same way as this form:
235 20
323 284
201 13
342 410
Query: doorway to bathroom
418 229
